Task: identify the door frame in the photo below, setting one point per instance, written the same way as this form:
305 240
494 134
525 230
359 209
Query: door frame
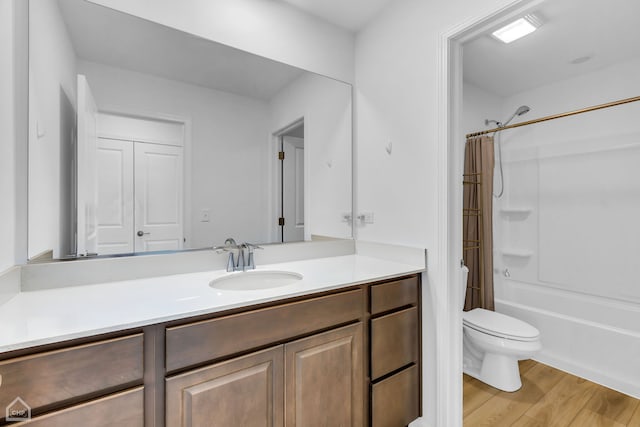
187 223
275 195
448 316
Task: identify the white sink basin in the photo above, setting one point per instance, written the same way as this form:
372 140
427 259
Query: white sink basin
255 279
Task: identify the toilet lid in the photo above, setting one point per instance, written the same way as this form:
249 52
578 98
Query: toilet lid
499 325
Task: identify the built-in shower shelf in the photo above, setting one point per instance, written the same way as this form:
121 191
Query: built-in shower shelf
519 253
516 212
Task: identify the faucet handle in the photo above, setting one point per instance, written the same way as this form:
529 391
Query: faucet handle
251 265
229 244
251 246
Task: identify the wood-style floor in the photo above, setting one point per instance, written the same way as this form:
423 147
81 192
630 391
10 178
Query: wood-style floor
548 397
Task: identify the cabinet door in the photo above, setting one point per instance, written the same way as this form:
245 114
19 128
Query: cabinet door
324 379
246 391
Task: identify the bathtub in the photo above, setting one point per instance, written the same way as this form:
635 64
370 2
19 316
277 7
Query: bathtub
589 336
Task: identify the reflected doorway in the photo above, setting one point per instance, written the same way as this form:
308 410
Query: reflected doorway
291 189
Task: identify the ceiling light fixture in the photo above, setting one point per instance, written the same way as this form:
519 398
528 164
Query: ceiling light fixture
517 29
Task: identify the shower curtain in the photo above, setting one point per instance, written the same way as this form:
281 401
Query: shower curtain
477 217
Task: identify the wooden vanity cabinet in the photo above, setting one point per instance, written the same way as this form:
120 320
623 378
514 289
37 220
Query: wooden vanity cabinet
395 352
96 384
324 379
125 409
245 391
349 357
314 381
199 342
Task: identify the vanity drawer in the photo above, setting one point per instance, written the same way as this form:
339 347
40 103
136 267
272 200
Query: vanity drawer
394 341
395 401
65 375
123 410
388 296
200 342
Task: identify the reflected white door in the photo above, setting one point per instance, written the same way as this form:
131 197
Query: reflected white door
115 196
86 181
293 189
158 197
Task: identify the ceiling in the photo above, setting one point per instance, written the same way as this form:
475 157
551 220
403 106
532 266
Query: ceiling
605 31
352 15
102 35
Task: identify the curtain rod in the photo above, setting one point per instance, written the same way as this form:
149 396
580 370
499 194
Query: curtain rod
557 116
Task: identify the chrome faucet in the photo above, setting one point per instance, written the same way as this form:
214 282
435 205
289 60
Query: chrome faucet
229 245
250 265
238 264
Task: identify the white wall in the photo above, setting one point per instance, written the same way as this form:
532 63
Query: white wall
7 139
227 159
325 105
479 105
268 28
578 177
52 95
397 90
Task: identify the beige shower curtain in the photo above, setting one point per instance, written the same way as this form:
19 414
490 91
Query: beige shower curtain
477 217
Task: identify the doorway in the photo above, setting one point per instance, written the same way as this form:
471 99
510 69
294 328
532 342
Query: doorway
290 192
139 185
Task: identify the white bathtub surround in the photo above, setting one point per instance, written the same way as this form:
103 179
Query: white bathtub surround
9 284
578 281
587 336
51 315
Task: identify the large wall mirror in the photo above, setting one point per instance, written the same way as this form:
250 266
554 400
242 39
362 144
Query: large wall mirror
144 138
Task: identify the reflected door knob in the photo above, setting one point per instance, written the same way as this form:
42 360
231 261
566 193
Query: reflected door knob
142 233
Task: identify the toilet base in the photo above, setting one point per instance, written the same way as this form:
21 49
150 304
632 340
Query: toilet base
497 370
501 372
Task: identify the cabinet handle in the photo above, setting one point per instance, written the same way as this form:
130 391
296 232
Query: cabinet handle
142 233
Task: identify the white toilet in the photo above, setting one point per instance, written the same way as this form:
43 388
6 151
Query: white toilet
493 343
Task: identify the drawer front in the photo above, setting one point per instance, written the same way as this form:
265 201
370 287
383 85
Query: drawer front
387 296
200 342
123 410
395 401
65 375
394 341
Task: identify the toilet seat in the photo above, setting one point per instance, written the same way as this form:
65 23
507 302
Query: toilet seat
499 325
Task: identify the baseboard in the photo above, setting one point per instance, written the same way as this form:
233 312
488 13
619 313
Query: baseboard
627 388
420 422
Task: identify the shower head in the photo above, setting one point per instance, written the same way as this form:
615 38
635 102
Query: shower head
523 109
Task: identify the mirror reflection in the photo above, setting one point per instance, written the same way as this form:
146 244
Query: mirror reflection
144 138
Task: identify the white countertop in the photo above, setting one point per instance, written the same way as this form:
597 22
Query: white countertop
47 316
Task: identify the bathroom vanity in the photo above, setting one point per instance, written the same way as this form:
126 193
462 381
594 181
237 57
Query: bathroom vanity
343 355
